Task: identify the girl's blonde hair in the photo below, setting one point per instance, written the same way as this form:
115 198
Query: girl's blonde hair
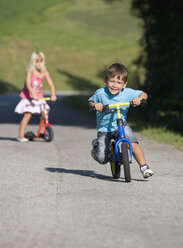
36 55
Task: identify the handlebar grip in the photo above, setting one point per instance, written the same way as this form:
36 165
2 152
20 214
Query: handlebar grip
131 103
106 109
92 109
143 102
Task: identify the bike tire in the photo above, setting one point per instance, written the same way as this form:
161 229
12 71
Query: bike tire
126 163
115 167
48 134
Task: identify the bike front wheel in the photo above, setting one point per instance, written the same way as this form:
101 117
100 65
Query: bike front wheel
126 163
115 167
48 134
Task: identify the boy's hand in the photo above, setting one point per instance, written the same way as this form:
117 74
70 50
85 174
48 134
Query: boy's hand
137 101
98 106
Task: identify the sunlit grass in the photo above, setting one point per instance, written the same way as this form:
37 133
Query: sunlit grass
165 136
79 38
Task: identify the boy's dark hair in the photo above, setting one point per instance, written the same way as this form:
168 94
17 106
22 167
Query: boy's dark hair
118 70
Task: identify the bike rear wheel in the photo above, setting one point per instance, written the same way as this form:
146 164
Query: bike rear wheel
48 134
115 167
126 163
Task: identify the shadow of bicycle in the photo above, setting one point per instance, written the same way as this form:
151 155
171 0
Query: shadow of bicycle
89 173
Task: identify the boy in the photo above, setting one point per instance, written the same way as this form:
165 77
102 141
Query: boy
115 92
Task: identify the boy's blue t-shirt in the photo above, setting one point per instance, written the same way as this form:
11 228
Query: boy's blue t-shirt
107 122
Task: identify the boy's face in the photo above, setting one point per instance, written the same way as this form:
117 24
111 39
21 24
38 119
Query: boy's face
115 85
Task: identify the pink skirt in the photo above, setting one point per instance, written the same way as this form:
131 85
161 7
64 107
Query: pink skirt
31 106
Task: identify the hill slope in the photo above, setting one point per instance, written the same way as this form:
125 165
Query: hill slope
79 38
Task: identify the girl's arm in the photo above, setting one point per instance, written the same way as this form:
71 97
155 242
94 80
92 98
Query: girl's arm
51 85
28 85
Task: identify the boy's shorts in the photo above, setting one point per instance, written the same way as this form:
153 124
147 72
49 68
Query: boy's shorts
130 135
101 145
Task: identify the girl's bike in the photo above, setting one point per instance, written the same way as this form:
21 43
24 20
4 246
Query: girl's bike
45 130
119 154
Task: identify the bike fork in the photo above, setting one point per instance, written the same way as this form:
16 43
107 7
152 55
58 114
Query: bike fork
117 150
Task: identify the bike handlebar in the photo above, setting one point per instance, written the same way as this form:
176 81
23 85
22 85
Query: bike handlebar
46 99
43 99
107 108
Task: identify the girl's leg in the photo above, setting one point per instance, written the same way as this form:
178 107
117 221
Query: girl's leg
23 124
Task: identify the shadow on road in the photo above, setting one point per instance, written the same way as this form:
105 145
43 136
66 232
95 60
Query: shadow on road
89 173
60 114
8 138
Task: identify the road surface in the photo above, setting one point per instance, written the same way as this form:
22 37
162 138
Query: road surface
55 195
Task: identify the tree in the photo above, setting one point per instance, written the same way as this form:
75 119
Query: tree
162 58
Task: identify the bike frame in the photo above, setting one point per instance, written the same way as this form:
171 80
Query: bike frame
120 137
45 119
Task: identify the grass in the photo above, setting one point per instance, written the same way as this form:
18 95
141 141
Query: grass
166 136
79 38
136 119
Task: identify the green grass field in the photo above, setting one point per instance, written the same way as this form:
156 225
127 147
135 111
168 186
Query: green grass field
79 38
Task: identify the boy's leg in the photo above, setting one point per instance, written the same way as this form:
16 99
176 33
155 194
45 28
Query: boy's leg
101 147
139 156
138 153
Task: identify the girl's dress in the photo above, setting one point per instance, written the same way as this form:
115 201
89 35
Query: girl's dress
28 105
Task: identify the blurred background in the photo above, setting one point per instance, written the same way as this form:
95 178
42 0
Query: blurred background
80 38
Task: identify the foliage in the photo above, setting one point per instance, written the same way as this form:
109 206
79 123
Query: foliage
162 58
7 87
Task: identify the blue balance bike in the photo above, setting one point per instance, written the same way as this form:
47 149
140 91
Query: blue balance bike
119 154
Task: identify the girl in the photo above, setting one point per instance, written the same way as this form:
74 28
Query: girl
32 91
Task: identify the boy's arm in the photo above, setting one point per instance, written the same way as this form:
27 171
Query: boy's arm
96 106
137 100
143 95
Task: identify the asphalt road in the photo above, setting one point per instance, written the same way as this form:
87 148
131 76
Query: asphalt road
55 195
